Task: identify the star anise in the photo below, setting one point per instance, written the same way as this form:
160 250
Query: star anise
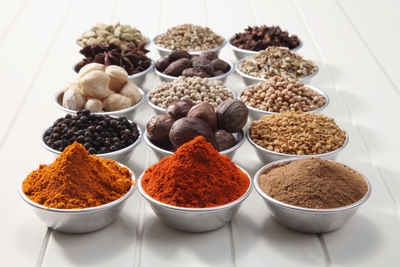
133 59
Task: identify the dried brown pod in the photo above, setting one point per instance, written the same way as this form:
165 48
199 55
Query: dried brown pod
187 128
179 109
176 67
178 54
158 128
205 112
209 54
224 140
191 72
162 64
203 63
232 115
221 65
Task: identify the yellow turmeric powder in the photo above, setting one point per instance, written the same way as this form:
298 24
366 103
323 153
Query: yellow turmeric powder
77 180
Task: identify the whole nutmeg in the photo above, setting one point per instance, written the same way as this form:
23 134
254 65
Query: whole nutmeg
185 129
205 112
203 63
232 115
158 128
179 109
209 54
162 64
221 65
224 140
190 72
176 67
178 54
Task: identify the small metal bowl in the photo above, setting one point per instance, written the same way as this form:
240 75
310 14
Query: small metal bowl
195 219
242 53
269 156
166 51
162 153
123 155
127 112
249 80
78 221
222 77
160 111
139 78
305 219
256 114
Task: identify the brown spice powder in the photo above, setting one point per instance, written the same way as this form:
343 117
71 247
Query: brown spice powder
314 183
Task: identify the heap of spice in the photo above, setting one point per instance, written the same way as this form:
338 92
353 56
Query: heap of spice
133 59
258 38
314 183
277 60
196 176
297 133
77 180
280 94
189 37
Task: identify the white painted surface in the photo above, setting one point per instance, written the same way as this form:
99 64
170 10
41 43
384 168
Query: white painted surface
358 74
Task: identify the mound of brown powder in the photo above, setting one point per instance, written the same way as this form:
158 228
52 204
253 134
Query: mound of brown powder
314 183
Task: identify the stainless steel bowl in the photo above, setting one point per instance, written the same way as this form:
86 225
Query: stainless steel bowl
169 78
162 153
78 221
242 53
127 112
304 219
160 111
256 114
139 78
249 80
165 51
195 219
123 155
268 156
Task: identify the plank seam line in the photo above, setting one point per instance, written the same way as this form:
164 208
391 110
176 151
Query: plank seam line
358 132
375 58
9 26
253 12
232 245
114 12
324 249
33 82
44 247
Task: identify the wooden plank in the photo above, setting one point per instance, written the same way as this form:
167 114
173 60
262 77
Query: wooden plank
257 237
350 68
9 13
21 231
377 26
30 43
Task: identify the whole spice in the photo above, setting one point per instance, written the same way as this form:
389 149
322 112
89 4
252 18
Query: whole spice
195 89
117 34
189 37
232 115
97 133
297 133
101 89
133 59
277 61
314 183
180 62
258 38
280 94
196 176
76 180
187 128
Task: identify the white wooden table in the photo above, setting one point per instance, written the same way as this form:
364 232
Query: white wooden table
354 44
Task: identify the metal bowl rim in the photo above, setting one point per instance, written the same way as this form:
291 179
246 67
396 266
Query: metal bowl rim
346 141
154 106
302 209
235 48
245 75
197 210
116 112
85 210
110 154
269 112
167 50
219 77
224 152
